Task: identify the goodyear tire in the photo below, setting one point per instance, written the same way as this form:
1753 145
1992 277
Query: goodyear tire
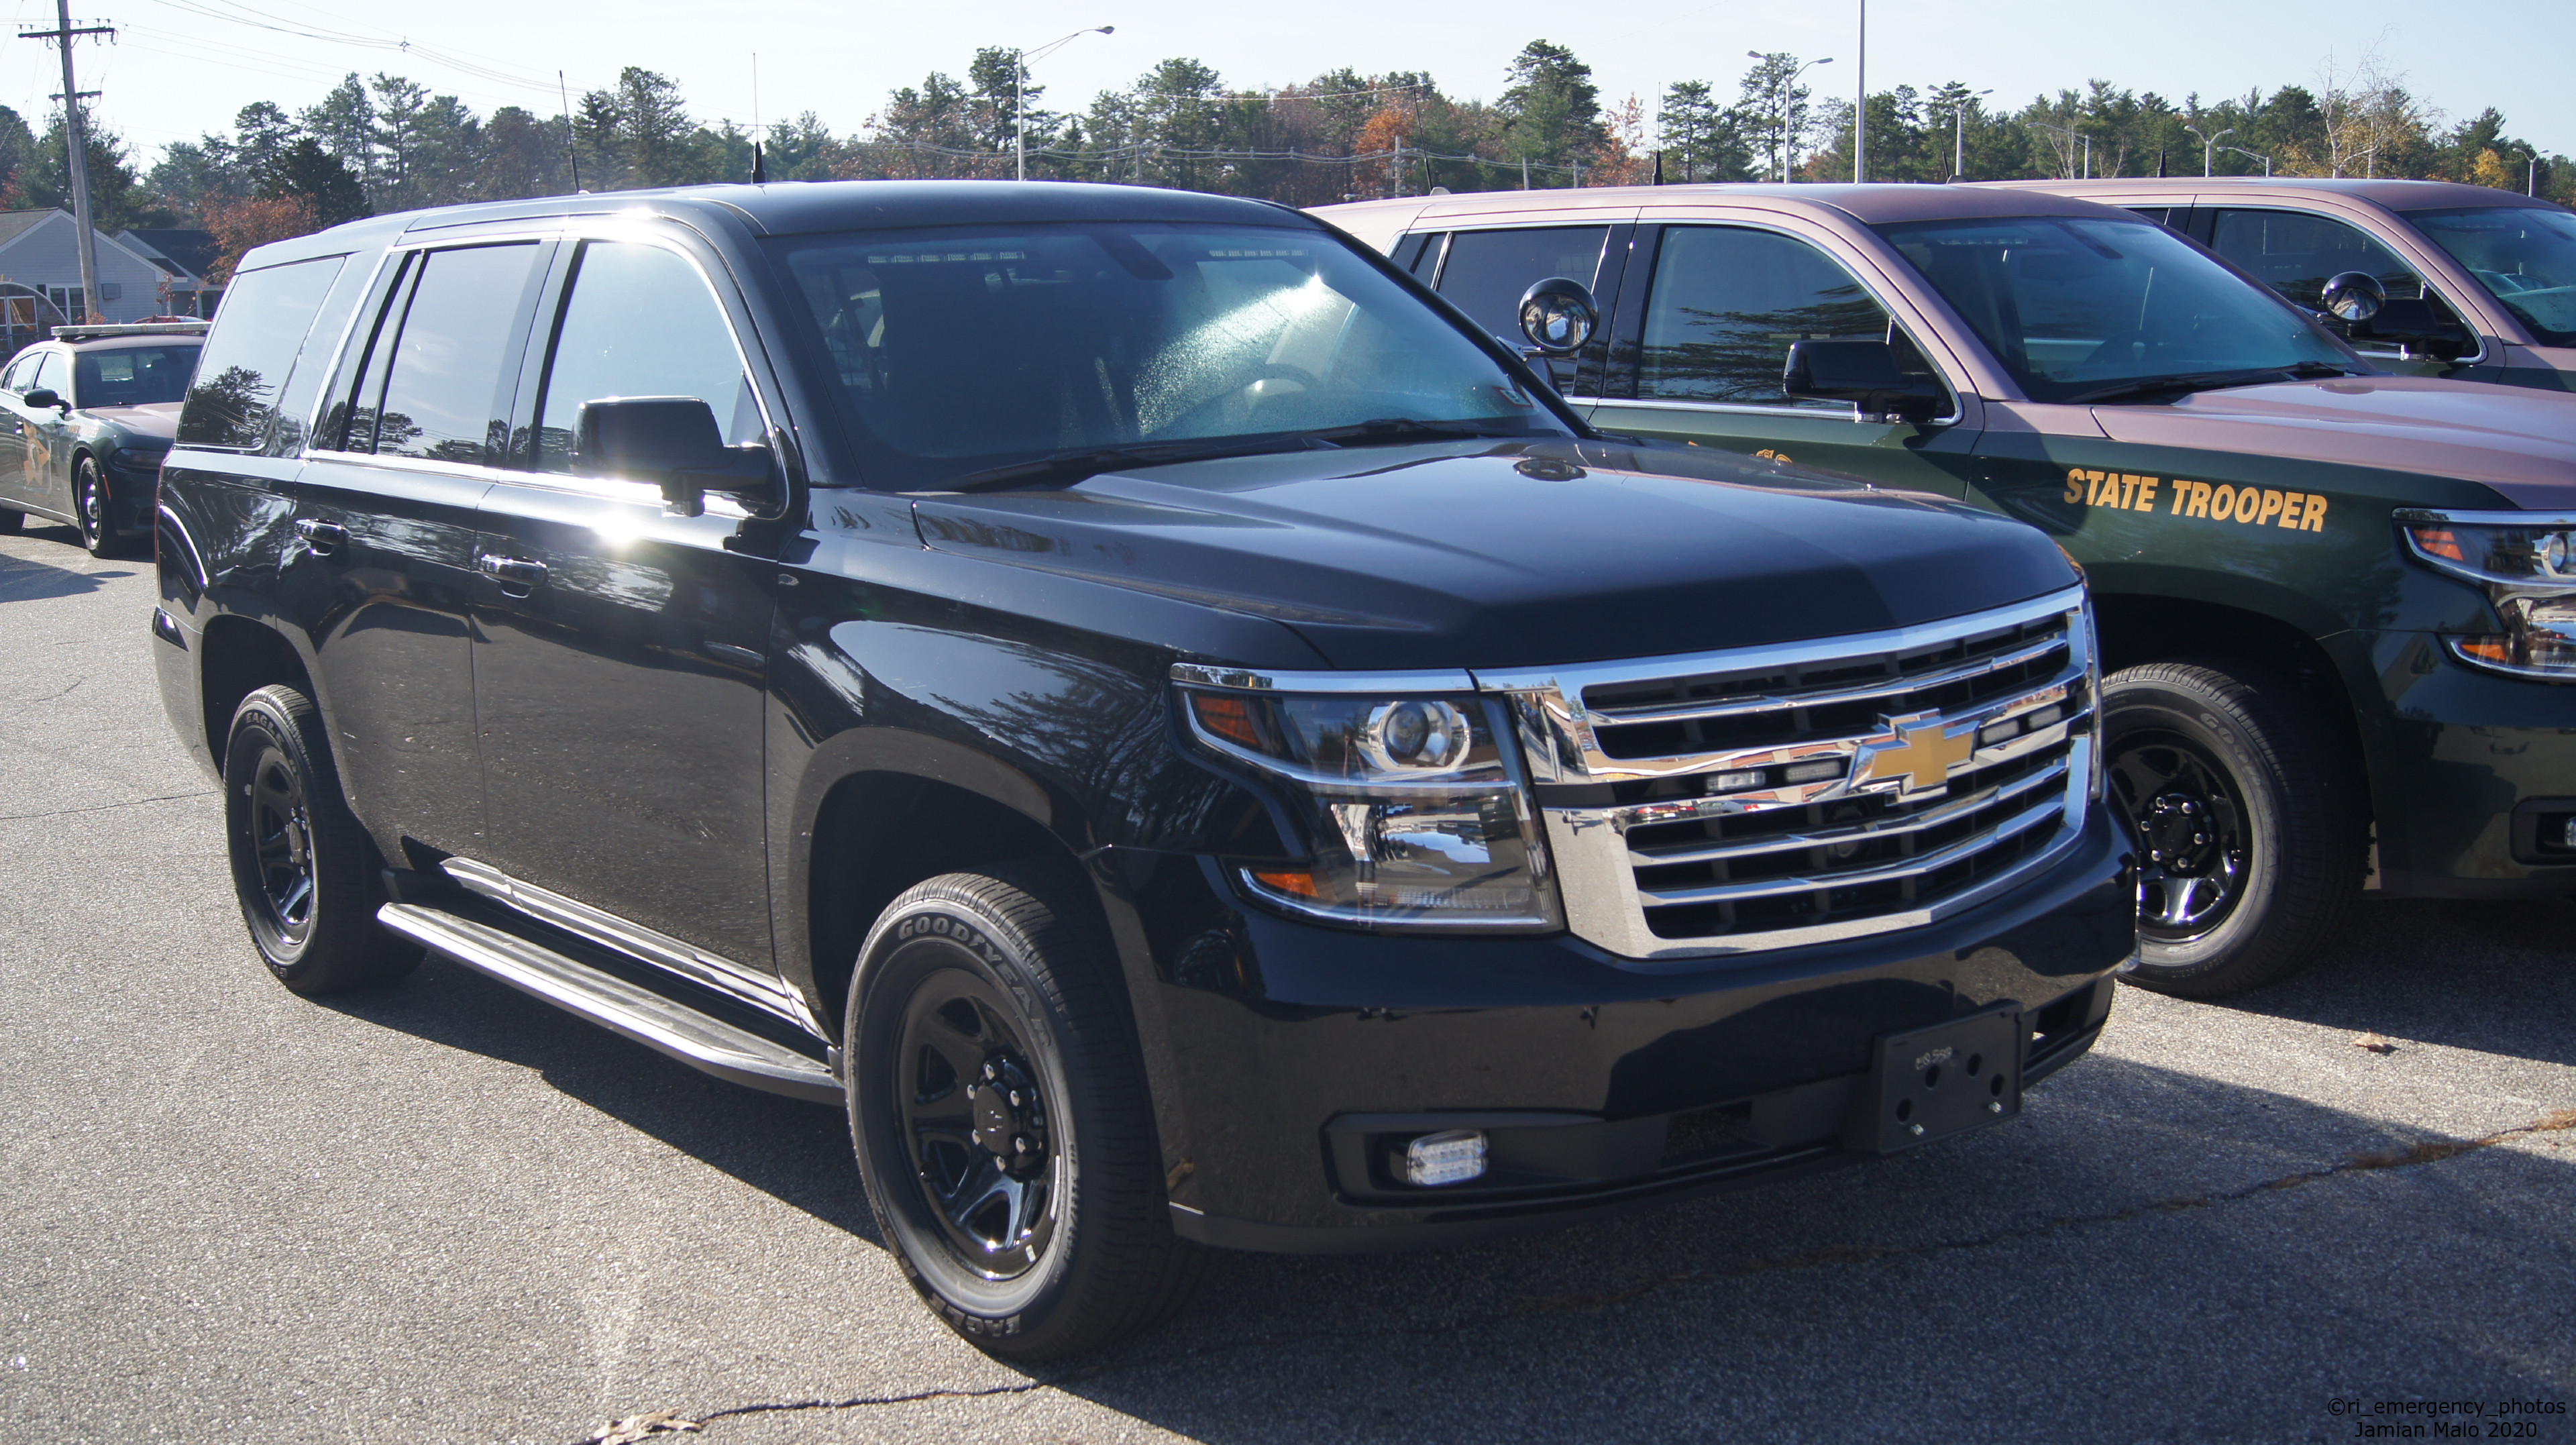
998 1106
303 870
2249 815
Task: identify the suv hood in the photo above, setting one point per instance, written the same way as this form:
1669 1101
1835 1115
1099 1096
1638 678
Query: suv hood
2520 441
1514 554
159 419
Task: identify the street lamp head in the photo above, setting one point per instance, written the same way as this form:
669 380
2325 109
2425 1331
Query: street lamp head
1755 55
1828 60
1106 30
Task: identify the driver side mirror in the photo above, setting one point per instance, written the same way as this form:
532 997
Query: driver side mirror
45 396
1558 315
2368 313
1864 373
670 441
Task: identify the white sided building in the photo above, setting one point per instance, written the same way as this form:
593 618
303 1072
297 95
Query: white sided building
39 251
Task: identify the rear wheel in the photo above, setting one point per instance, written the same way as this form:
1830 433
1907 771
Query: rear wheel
2249 812
89 506
998 1105
303 870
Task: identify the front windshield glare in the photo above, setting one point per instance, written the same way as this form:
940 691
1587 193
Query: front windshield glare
959 351
2074 306
2524 256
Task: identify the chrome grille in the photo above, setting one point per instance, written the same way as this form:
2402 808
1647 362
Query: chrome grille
1783 795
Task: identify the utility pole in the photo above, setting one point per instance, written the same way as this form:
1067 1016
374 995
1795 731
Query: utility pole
1860 113
76 148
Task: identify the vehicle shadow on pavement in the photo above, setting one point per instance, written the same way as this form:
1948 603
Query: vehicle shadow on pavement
23 579
2216 1259
2499 978
795 1151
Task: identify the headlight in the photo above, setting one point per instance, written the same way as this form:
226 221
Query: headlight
1412 807
137 459
2526 562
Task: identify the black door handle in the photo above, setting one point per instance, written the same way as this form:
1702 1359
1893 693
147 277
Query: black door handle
321 538
518 576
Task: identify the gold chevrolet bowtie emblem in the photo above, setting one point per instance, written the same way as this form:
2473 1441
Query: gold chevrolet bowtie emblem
1921 752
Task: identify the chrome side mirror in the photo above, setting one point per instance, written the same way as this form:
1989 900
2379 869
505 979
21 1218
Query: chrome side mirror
1558 315
2354 296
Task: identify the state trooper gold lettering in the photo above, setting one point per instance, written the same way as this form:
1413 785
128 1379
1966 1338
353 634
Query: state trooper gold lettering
2248 506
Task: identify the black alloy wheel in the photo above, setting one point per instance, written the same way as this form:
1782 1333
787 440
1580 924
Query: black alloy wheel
2193 827
306 875
975 1121
89 506
998 1106
2248 817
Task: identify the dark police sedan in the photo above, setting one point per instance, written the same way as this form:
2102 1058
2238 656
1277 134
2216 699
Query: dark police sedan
1182 737
84 419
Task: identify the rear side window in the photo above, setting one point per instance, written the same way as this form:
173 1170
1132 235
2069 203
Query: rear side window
265 316
431 385
1728 301
2296 254
1488 270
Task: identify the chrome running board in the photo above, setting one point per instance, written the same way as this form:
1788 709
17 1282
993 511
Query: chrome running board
695 1039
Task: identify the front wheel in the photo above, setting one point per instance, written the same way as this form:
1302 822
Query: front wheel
2248 810
998 1105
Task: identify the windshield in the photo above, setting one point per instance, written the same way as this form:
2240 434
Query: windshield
960 351
132 375
2074 306
2523 255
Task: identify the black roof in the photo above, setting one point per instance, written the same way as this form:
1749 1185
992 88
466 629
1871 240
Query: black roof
193 249
802 207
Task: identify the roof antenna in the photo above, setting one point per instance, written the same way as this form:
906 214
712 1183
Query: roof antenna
2160 163
759 166
1659 170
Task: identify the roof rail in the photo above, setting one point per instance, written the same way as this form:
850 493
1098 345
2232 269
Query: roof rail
137 328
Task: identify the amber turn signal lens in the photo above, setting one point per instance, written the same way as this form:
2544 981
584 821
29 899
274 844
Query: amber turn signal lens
1301 885
2492 649
1227 717
2439 542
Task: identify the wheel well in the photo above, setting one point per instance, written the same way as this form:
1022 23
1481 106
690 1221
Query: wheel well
877 834
242 656
2149 629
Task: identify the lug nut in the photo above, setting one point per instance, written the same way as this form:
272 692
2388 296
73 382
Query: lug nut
1015 1098
1995 1108
1020 1146
1915 1129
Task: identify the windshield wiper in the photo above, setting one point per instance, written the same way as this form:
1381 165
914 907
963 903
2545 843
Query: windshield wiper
1076 466
2206 381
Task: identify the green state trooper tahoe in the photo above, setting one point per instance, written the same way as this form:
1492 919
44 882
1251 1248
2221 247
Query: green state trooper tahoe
2340 601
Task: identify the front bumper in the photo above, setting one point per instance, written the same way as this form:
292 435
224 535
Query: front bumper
2464 764
1294 1052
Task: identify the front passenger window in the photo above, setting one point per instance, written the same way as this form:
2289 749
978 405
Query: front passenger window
1487 271
2295 254
1728 301
641 322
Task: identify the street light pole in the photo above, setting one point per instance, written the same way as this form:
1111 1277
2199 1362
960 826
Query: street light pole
1959 122
1780 108
1019 107
1860 113
2251 156
2209 147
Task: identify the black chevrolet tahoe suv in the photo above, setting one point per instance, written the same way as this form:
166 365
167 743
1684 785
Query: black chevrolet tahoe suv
1178 733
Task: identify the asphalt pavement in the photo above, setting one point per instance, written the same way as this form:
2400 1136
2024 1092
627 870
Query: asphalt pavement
446 1212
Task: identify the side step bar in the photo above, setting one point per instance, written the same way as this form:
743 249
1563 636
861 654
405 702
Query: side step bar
640 1014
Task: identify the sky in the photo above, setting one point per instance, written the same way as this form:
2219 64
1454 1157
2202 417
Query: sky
179 68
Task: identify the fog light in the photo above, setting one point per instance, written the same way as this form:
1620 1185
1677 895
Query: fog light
1452 1156
1810 772
1735 782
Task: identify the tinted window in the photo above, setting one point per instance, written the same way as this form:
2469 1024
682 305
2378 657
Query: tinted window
2072 306
1488 270
960 350
2161 215
2296 254
448 338
641 322
2525 256
1726 305
312 369
132 375
257 333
